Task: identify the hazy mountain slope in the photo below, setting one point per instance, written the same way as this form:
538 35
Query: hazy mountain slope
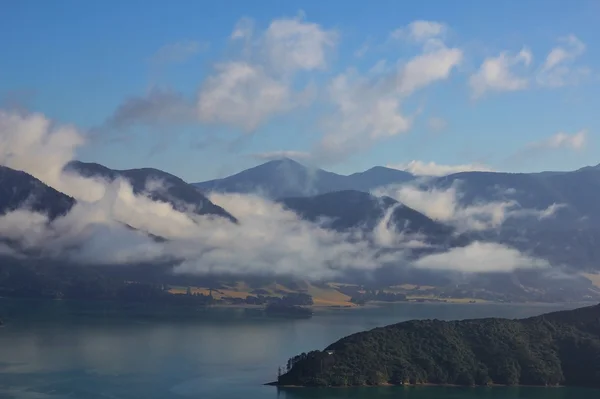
578 190
21 190
350 209
377 176
287 178
161 186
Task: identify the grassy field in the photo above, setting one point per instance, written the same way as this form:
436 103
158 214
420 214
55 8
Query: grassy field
448 300
322 296
328 295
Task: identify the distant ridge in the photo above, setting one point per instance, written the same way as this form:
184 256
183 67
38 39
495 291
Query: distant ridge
288 178
172 190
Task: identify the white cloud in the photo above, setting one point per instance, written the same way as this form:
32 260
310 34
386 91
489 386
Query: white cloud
271 155
368 107
433 65
420 168
480 257
247 92
424 30
30 142
364 112
242 95
178 52
558 68
444 205
496 74
292 44
574 141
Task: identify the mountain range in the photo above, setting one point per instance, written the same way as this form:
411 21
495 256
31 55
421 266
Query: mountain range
578 190
287 178
569 239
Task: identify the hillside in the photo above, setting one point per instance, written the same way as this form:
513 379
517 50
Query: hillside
561 348
21 190
161 186
350 209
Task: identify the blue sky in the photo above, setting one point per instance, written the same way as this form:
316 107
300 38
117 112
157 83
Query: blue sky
204 89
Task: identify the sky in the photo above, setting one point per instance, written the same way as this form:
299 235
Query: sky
206 89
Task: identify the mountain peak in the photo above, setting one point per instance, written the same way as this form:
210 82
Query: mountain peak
284 161
589 168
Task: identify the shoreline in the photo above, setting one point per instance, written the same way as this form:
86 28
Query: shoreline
323 308
426 384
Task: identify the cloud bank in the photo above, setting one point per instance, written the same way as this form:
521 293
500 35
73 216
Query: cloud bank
110 223
445 205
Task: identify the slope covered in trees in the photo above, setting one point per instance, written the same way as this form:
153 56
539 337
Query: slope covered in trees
561 348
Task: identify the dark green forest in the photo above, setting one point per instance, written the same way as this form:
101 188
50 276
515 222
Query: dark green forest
561 348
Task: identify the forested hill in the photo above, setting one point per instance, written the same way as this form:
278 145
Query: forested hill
561 348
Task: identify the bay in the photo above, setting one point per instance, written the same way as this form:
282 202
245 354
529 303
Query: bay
60 349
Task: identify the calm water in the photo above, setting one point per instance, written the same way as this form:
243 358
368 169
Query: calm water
53 349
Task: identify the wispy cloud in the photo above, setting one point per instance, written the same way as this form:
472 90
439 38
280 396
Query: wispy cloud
368 107
559 68
570 141
178 52
496 73
420 31
444 204
420 168
156 107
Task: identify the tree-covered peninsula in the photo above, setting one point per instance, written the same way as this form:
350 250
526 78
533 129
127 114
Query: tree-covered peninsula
561 348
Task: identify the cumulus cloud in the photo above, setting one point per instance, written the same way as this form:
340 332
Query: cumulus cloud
559 68
496 73
245 93
242 95
480 257
293 44
244 90
368 107
445 205
364 112
436 63
420 168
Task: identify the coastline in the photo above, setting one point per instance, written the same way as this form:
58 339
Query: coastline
425 384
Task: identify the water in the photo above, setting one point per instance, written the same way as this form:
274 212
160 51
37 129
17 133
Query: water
57 349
